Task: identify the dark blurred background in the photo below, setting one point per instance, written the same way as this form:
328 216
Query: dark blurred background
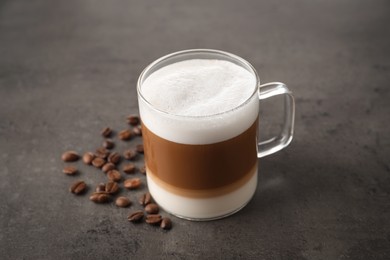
69 68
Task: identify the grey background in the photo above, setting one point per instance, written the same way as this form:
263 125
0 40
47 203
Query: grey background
69 68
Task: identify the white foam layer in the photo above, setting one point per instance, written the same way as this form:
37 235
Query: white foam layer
193 208
202 100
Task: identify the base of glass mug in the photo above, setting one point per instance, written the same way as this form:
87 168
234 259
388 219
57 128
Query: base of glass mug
240 198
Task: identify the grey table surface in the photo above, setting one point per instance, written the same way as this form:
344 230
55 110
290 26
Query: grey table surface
69 68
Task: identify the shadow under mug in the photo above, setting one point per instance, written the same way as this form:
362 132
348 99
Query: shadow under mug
206 167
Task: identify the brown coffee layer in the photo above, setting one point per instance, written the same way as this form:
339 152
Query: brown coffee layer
202 194
201 167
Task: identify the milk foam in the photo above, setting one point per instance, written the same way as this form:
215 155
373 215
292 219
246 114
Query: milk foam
199 87
202 100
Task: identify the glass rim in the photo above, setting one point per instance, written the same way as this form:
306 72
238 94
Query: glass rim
142 77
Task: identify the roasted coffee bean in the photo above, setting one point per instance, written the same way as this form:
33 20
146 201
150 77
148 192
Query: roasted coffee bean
133 120
114 158
166 223
111 187
114 175
88 158
140 148
70 156
142 169
153 219
106 132
102 152
78 187
145 199
132 184
136 216
125 134
108 167
100 197
130 154
122 202
137 130
151 208
101 188
129 168
109 144
98 162
70 170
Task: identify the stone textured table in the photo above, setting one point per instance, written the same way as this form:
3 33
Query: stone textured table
69 68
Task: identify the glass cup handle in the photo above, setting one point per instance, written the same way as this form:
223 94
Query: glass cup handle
284 138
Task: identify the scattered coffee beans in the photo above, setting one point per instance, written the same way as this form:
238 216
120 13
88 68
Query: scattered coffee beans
106 132
142 169
70 170
78 187
130 154
145 199
98 162
108 144
100 197
137 130
151 208
70 156
153 219
101 187
108 167
136 216
114 175
111 187
140 148
102 153
166 223
132 184
129 168
114 158
88 157
122 202
125 134
133 120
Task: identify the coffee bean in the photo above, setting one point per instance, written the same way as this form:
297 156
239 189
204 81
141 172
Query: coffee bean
88 157
140 148
136 216
101 188
70 156
132 184
106 132
130 154
114 175
151 208
122 202
108 167
142 169
153 219
137 130
111 187
133 120
109 144
78 187
70 170
125 134
145 199
114 158
100 197
129 168
102 152
98 162
166 223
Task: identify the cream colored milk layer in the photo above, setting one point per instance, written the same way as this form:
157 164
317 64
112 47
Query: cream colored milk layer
203 208
199 101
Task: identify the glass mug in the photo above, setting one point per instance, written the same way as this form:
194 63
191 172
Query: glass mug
206 167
